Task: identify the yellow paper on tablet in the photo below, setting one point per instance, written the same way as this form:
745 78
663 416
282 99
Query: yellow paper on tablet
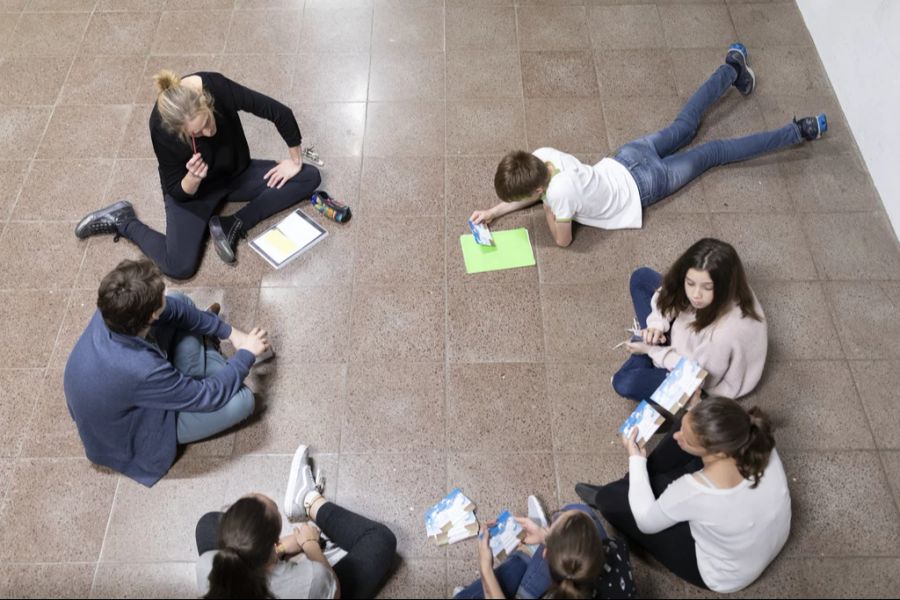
277 245
289 238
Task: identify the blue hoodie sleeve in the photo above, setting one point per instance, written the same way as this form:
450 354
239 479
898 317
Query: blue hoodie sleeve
166 388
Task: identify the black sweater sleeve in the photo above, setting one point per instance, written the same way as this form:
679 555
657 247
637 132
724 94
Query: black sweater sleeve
172 159
264 107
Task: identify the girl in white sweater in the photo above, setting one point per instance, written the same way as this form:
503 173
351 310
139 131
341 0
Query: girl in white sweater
712 501
702 310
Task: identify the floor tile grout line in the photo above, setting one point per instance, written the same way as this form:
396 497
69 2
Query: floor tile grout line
884 471
446 282
868 418
68 290
109 520
528 141
354 283
29 421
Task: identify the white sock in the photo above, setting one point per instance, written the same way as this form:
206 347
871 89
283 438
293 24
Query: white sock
310 498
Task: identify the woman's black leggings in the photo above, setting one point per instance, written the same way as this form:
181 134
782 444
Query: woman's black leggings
179 251
673 547
371 547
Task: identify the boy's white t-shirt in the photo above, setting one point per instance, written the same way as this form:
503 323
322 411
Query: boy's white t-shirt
604 195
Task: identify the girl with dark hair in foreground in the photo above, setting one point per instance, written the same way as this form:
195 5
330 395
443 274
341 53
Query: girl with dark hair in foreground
711 503
243 556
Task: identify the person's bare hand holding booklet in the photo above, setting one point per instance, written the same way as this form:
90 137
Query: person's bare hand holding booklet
288 239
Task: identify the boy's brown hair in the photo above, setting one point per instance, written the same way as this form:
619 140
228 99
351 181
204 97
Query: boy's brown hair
519 174
129 295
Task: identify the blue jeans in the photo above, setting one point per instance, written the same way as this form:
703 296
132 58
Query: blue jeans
189 354
523 576
660 172
638 378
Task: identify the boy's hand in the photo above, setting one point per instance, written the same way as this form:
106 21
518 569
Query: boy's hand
257 341
654 337
482 216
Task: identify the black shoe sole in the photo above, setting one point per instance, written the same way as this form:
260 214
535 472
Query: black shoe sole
220 241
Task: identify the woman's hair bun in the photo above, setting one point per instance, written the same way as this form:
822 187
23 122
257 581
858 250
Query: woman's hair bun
165 79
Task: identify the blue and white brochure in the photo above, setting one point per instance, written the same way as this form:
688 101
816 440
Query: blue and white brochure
506 535
452 519
679 385
645 419
481 233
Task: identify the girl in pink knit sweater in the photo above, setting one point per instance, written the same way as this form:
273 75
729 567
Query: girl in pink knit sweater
702 310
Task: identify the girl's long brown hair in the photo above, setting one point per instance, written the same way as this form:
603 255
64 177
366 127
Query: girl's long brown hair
724 266
575 556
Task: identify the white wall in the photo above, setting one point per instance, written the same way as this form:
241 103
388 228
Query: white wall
859 43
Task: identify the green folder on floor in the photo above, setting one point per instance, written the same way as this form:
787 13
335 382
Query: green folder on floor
511 249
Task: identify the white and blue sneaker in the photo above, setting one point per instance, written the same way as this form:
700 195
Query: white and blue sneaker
739 58
812 128
302 486
536 513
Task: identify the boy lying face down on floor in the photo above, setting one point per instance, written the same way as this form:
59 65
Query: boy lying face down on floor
612 193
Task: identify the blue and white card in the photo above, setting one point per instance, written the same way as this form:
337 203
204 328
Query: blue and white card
506 535
679 385
481 233
646 419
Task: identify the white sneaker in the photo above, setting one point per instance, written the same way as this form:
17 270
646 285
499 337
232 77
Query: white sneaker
536 512
333 553
300 484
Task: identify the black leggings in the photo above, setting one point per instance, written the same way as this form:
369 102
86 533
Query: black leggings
371 547
673 547
178 252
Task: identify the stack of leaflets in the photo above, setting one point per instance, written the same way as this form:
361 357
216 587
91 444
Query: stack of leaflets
672 394
679 385
452 519
505 535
